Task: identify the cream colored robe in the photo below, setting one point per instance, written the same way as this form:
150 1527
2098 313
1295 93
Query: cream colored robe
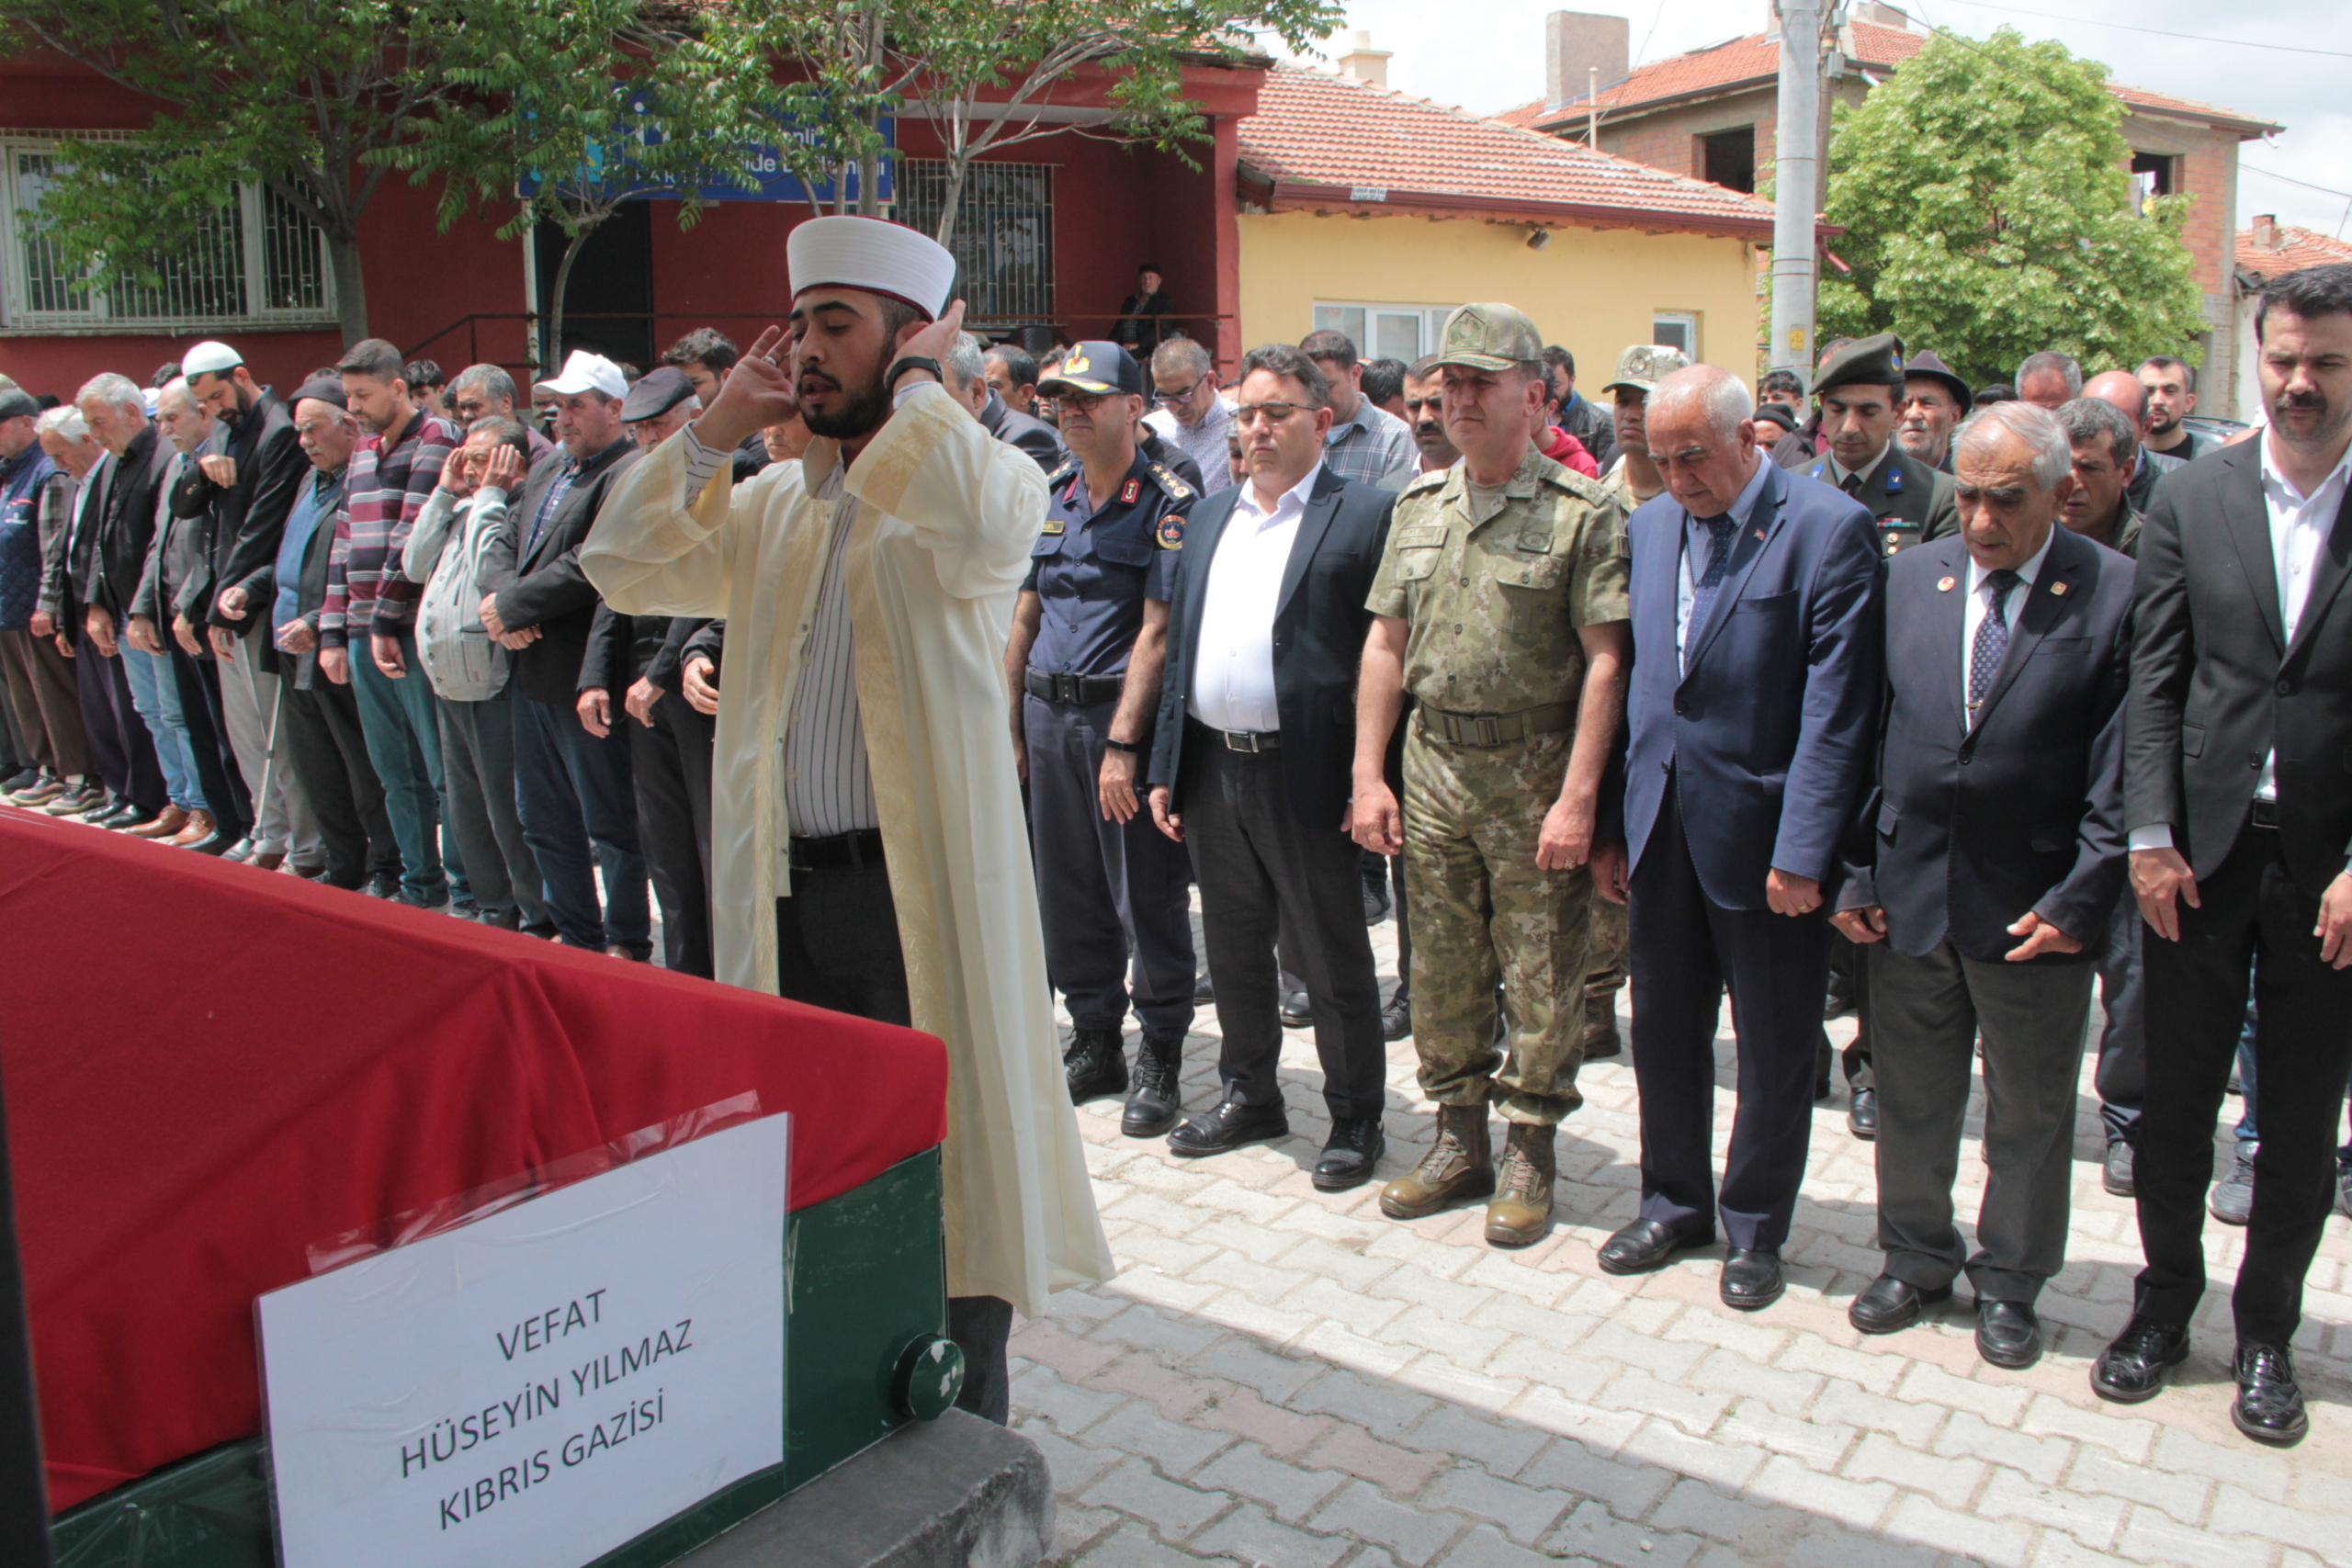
945 518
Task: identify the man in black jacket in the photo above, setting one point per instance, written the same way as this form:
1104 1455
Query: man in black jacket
2240 823
968 383
1253 758
1986 887
574 788
246 488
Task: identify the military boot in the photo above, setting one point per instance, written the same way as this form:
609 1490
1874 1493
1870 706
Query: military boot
1095 1061
1522 1209
1153 1107
1600 1038
1461 1164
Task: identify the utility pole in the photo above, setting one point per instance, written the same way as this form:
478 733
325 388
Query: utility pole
1796 173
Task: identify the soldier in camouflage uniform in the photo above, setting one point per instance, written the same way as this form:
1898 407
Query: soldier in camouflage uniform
1502 606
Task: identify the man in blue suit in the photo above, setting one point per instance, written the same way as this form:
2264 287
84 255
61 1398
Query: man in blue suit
1751 725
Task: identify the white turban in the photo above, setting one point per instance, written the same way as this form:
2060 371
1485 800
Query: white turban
868 253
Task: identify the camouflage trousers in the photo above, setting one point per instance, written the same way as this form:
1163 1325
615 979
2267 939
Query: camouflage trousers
1482 910
1609 945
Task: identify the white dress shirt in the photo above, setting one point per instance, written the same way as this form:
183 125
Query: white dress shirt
1973 613
1233 666
1694 539
2299 526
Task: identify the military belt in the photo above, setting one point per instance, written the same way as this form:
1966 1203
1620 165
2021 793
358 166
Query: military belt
1077 691
1495 729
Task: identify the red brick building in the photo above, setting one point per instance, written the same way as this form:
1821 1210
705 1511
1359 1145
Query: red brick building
1052 234
1712 114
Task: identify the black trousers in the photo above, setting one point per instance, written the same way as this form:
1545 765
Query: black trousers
1261 873
673 828
1685 950
2122 1073
120 748
837 947
329 759
477 781
2254 915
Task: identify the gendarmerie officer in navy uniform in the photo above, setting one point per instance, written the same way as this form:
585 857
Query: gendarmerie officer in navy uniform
1860 386
1090 639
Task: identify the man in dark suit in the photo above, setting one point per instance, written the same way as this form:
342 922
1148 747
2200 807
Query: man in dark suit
1252 761
574 788
325 744
2237 745
1861 385
1997 862
1752 721
968 383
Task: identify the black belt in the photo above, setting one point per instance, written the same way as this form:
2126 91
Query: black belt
1249 741
2266 814
838 852
1077 691
1495 729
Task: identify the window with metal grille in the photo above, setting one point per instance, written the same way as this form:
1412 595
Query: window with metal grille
255 260
1004 235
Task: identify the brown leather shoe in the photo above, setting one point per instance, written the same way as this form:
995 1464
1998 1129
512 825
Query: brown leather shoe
200 827
1521 1211
1460 1164
268 859
170 823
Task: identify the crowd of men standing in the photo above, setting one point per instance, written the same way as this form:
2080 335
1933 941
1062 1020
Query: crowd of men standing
1933 702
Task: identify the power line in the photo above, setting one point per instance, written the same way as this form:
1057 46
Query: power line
2324 190
2156 32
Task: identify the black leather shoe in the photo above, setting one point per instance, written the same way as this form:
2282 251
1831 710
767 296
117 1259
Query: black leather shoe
1230 1126
1376 898
1751 1279
506 919
1889 1303
211 845
2132 1368
433 900
1355 1148
384 884
1095 1064
2116 1173
1396 1018
124 815
1862 1115
1204 994
1644 1245
1152 1108
1296 1012
2269 1406
241 851
2007 1333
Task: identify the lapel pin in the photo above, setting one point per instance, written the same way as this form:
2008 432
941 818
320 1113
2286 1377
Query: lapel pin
1760 533
2057 588
1945 585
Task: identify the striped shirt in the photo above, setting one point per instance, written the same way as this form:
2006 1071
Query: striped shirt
384 488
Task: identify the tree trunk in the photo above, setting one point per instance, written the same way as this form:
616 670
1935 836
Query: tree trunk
952 202
350 286
563 279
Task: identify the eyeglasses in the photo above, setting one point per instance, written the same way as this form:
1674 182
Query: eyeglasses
1272 414
1172 398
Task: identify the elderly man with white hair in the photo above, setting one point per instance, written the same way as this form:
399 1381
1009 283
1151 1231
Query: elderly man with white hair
37 678
867 848
1752 722
1988 884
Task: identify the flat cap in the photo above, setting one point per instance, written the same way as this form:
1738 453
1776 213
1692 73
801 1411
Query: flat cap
326 389
16 402
1488 338
656 393
1873 361
1926 363
1643 366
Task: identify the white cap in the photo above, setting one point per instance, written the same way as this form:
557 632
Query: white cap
868 253
209 358
585 372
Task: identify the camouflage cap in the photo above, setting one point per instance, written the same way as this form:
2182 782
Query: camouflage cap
1643 366
1488 338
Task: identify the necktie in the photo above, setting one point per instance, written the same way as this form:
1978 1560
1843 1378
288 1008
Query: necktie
1851 484
1702 593
1992 641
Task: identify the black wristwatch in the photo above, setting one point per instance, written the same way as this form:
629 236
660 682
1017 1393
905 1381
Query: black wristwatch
1127 746
913 362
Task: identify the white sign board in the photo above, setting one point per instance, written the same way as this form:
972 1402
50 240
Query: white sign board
537 1388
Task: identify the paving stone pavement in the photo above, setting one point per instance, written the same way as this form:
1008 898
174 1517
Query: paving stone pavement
1286 1378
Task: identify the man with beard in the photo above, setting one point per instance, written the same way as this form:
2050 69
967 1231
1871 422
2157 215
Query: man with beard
867 852
2171 389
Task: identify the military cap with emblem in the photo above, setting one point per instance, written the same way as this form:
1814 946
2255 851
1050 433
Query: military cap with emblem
656 393
1641 367
1926 365
1094 369
1488 338
1873 361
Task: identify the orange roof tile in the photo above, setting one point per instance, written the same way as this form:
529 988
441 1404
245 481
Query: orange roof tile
2295 248
1323 138
1742 63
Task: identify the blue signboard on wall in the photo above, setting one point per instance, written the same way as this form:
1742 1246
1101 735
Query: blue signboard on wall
767 165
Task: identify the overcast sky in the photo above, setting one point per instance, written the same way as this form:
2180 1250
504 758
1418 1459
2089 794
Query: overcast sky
1487 55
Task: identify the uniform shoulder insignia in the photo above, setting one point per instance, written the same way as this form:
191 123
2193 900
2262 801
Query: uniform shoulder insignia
1177 488
1576 484
1069 467
1434 479
1171 532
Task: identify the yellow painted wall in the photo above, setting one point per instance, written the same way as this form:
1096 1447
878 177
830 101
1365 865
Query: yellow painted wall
1590 290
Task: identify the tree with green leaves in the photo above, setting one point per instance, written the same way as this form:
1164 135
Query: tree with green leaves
298 96
1988 213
